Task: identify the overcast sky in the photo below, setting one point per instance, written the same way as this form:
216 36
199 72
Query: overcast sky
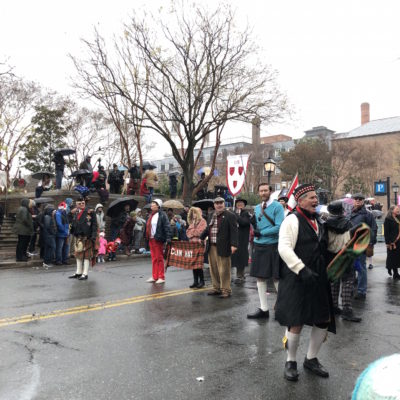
331 56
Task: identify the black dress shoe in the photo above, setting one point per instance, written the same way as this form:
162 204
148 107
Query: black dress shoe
315 367
75 276
259 314
291 373
200 285
193 285
214 293
348 315
83 278
396 277
337 310
360 296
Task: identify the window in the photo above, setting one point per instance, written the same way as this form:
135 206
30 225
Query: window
171 166
162 168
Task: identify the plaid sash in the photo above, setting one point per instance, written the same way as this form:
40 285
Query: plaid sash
186 255
346 257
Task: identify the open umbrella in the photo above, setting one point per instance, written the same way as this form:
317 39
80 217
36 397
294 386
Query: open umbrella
40 174
147 165
175 204
203 204
207 171
80 172
147 206
118 205
65 152
171 173
122 168
43 200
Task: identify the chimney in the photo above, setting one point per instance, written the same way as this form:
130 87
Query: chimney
255 130
364 113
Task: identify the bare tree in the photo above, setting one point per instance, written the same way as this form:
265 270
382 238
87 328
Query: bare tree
199 73
126 118
17 101
355 163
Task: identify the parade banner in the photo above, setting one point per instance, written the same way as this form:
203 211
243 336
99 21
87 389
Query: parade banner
236 168
186 255
291 201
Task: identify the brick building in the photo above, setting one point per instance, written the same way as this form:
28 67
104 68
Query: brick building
381 140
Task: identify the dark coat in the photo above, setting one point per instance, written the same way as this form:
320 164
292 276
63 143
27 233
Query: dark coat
362 215
227 235
163 230
23 223
49 223
241 257
86 225
391 232
127 231
299 304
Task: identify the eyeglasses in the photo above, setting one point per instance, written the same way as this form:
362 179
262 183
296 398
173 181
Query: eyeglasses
219 202
358 199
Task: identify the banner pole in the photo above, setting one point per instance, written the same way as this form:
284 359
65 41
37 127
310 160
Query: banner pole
234 202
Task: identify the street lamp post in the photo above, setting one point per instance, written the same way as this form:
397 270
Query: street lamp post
395 188
269 167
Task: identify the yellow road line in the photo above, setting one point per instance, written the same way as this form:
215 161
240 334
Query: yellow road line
22 319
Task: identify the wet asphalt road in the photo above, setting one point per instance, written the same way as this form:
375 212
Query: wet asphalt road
153 347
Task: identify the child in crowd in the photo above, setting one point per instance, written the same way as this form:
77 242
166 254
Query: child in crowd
112 248
102 248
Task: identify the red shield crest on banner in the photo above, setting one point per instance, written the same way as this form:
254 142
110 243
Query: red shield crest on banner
236 168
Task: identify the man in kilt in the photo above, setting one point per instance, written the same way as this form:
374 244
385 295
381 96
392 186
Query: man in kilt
84 229
267 219
304 295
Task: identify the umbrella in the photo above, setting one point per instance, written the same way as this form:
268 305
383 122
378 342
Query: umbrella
118 205
122 168
171 173
204 204
147 206
377 213
147 165
207 171
65 152
80 172
40 174
175 204
43 200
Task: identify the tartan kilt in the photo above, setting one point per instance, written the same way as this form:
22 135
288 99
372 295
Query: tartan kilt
88 247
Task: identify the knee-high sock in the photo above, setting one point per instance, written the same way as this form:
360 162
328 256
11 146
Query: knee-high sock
292 344
276 284
318 335
85 267
262 294
79 266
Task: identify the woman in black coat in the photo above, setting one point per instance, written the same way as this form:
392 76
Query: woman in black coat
240 259
392 240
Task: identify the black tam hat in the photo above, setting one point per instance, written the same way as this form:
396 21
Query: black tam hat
303 189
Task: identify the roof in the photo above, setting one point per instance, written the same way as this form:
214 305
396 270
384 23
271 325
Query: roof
376 127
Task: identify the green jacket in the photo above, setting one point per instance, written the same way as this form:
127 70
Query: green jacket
23 221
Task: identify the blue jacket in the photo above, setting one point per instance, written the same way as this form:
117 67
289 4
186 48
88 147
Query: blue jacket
62 224
269 232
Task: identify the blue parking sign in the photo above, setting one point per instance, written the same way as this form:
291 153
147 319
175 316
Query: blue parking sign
380 188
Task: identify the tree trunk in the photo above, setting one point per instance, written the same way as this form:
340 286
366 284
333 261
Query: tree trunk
188 172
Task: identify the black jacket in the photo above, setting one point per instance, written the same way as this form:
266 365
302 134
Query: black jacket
49 223
391 230
241 257
163 230
86 225
227 235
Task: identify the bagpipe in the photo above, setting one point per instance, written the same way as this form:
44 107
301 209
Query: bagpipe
346 257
